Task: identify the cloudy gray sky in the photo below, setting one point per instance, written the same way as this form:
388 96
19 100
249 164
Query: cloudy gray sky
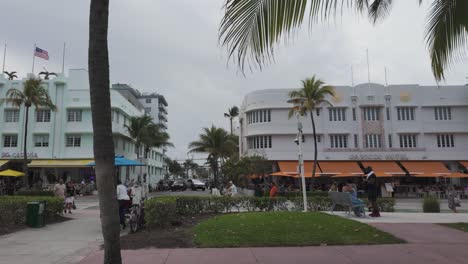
171 47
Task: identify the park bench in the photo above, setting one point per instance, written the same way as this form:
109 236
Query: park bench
344 199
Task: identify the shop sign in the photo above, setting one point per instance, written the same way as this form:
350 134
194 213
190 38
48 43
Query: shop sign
17 155
378 157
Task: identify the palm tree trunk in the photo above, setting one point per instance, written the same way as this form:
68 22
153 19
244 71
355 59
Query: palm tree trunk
231 124
25 147
314 167
98 65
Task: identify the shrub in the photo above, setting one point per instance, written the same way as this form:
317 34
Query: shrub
13 209
431 205
160 212
35 193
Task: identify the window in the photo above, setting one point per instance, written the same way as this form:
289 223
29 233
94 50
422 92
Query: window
388 112
338 141
73 141
405 113
11 115
117 116
390 144
373 141
337 114
319 138
259 116
354 114
356 143
371 113
148 100
317 111
147 110
10 141
408 141
123 144
269 115
42 115
443 113
41 141
259 142
125 120
445 141
112 115
74 115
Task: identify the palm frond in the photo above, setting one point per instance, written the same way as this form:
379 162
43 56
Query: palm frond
379 9
446 34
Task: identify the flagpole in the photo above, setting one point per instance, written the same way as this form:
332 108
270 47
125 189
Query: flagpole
385 70
4 56
352 75
368 70
63 58
34 56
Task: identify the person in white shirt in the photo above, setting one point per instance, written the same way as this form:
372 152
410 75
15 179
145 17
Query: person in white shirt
231 190
124 200
137 193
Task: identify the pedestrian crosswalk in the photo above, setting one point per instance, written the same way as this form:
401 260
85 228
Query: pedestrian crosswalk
82 203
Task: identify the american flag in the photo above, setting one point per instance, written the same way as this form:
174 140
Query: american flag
41 53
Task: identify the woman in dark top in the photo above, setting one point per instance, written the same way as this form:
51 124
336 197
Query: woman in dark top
372 191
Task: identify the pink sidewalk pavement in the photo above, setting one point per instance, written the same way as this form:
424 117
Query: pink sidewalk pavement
427 243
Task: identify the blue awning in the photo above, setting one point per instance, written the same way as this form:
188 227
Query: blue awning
121 161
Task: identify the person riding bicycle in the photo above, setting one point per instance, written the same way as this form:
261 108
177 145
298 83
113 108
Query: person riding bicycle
124 200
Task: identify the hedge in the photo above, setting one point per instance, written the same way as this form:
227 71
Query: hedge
431 204
13 209
35 193
164 211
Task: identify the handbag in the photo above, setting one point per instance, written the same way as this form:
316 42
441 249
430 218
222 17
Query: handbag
457 202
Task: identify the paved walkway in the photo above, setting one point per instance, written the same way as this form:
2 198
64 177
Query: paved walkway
61 243
411 218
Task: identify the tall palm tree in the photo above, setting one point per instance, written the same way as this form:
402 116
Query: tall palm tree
11 75
315 92
231 114
33 94
217 143
138 130
98 66
189 165
251 28
154 137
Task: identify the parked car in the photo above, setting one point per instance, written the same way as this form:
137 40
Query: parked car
197 184
178 186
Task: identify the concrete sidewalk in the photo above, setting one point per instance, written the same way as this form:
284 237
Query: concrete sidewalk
409 217
64 243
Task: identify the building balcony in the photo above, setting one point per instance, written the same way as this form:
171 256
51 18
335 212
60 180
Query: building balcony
162 116
163 125
162 108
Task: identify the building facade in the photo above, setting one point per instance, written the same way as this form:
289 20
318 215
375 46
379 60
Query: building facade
364 122
60 143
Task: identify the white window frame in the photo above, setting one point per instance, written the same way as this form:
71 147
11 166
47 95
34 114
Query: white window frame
43 115
408 141
148 100
41 140
373 141
74 115
11 115
406 113
443 113
372 113
445 141
73 141
338 141
10 141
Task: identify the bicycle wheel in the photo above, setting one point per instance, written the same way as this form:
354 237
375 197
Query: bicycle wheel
133 222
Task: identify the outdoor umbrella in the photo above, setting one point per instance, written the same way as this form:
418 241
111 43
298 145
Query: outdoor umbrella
11 173
122 161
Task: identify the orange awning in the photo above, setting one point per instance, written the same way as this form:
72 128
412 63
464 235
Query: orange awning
290 169
426 168
457 175
385 168
340 168
465 164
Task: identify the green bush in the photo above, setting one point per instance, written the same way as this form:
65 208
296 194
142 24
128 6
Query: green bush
35 193
160 212
431 205
295 194
13 209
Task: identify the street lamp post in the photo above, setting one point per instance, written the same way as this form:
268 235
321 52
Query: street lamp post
298 103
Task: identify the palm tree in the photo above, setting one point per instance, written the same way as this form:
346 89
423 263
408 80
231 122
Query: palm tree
138 130
251 28
314 91
153 137
98 66
189 165
33 94
217 143
231 114
11 75
47 74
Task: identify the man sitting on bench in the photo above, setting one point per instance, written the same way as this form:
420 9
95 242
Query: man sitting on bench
358 210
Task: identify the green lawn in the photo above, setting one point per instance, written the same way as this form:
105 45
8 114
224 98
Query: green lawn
459 226
286 229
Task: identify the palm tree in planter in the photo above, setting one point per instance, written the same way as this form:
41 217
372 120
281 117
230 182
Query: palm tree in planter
252 29
314 91
217 143
231 114
33 94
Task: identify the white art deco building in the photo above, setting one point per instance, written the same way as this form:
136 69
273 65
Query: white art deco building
60 143
397 129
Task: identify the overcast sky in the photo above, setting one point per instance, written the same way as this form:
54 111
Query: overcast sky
171 47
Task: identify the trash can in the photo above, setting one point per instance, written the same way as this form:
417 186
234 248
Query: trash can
35 214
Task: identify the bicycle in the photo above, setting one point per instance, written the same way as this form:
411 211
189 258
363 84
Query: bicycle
134 217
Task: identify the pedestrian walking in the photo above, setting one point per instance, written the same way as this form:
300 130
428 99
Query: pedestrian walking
59 191
69 196
273 190
453 201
